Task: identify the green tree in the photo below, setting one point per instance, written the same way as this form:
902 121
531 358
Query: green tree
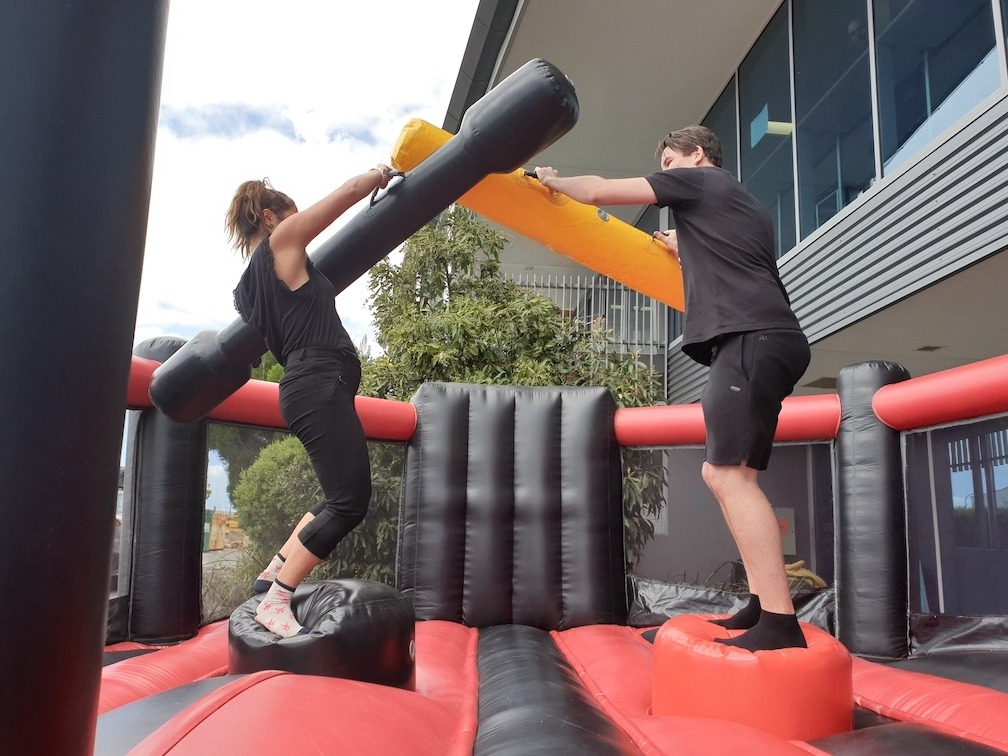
239 446
274 492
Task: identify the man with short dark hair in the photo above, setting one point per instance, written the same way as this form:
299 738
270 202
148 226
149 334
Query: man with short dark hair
739 322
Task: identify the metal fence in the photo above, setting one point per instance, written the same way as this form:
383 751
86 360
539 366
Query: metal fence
638 324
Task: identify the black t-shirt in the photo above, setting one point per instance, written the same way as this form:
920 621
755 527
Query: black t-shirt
726 249
289 320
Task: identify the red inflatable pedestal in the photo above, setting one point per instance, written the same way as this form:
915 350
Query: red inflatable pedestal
795 693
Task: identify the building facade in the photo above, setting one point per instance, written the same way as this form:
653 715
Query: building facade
875 132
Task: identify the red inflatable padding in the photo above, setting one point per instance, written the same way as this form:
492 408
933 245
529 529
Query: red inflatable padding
956 708
128 646
671 425
280 712
141 371
802 418
961 393
258 403
809 418
385 419
446 672
615 665
794 693
198 658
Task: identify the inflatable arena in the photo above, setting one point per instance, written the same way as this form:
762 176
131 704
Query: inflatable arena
512 625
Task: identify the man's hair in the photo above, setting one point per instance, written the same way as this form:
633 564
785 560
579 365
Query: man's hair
686 140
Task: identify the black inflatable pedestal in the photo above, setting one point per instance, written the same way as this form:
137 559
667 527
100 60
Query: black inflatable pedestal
360 630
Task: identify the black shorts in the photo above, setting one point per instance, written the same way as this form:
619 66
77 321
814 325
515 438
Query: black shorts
751 373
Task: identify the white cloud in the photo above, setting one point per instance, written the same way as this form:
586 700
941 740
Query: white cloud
307 93
225 120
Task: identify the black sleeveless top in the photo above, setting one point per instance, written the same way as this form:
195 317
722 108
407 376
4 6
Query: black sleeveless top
289 320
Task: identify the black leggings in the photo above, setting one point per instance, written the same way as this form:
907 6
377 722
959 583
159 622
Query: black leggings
317 403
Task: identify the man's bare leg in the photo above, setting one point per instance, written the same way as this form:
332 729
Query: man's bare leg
752 523
754 526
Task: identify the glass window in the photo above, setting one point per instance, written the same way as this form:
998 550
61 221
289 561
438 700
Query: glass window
936 60
836 152
649 220
721 120
958 519
764 83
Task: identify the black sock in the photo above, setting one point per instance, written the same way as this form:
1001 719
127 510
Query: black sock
744 618
773 631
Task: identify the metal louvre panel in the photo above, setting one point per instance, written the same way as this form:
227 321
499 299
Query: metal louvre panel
686 378
929 221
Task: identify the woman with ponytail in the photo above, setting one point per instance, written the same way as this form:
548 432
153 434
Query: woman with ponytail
292 305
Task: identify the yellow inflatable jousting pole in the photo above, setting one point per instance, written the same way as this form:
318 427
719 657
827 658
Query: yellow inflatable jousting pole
581 232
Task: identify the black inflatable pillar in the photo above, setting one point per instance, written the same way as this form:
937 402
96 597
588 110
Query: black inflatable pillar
871 554
79 91
512 507
516 120
166 479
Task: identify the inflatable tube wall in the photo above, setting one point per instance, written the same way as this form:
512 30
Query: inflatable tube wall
581 232
520 117
974 390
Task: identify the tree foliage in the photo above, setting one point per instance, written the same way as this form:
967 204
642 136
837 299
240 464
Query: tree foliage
238 447
280 486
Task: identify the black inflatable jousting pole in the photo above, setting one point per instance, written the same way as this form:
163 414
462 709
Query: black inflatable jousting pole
513 122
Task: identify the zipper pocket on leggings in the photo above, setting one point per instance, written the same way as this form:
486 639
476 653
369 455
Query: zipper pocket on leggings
336 384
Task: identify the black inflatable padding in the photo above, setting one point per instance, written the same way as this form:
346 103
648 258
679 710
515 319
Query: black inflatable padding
900 738
360 630
512 508
79 94
984 667
654 601
513 122
206 371
120 730
531 700
871 554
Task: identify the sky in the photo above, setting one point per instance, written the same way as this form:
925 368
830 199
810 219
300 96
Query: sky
305 92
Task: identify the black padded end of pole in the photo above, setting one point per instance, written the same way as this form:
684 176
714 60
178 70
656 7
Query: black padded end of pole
199 376
539 97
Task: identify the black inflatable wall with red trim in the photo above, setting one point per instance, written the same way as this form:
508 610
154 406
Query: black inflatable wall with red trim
512 507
